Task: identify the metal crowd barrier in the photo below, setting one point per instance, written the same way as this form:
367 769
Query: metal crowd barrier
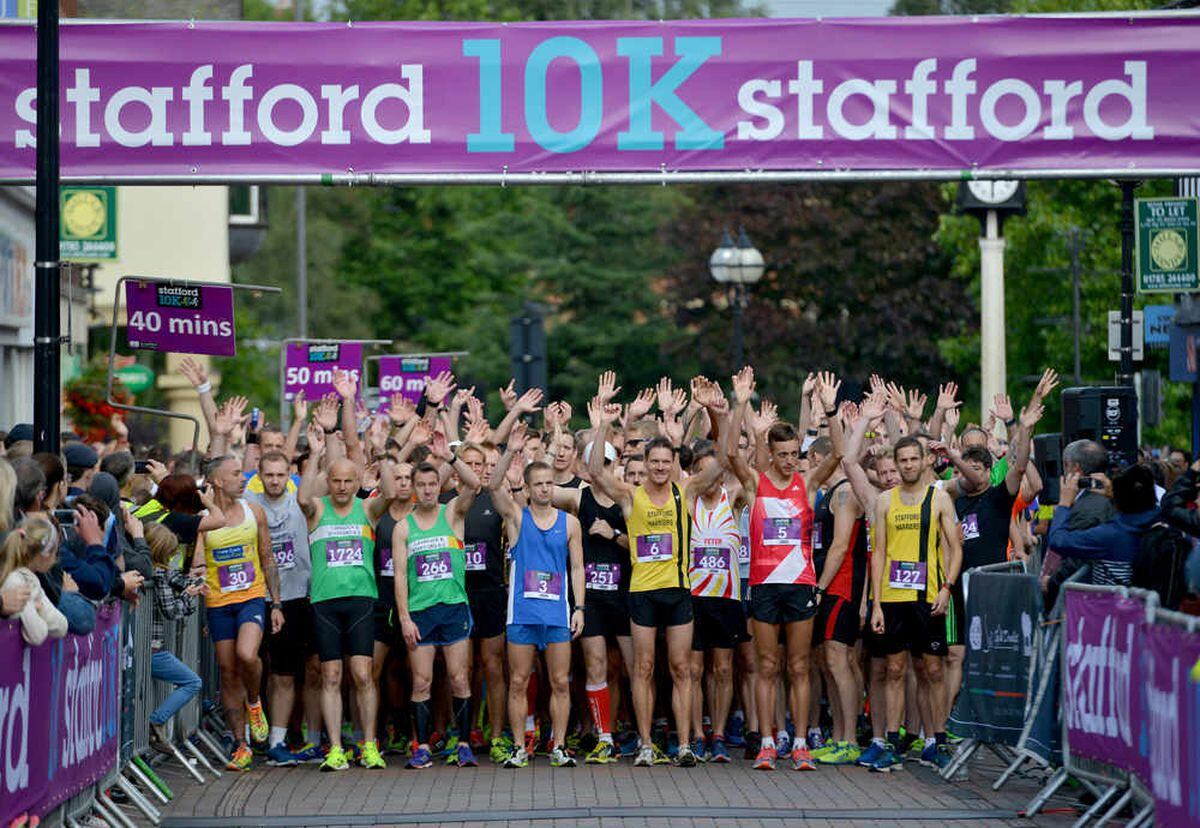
133 772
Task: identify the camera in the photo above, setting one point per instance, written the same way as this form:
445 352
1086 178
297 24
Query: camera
65 517
141 466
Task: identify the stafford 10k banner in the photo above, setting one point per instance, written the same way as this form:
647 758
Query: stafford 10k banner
257 99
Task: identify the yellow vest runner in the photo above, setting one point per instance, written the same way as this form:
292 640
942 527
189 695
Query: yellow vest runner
658 542
232 568
913 568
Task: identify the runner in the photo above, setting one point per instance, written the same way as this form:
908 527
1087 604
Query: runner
431 597
606 615
548 550
659 588
342 539
238 579
985 513
292 651
914 567
782 578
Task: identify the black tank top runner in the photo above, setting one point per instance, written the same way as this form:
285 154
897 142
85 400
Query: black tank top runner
822 528
383 549
854 565
485 548
601 551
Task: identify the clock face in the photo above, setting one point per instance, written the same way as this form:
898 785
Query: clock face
993 192
84 214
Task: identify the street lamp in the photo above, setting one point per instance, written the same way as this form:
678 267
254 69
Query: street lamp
736 266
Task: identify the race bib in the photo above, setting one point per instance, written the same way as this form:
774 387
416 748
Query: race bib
545 586
235 577
434 566
476 556
816 536
603 576
907 575
744 554
651 548
285 554
970 526
783 531
711 558
344 552
386 567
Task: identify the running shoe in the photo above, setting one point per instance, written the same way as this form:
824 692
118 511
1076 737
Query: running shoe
353 750
783 743
888 762
572 741
935 756
393 742
159 741
259 729
719 754
628 744
517 759
602 754
766 759
700 749
953 738
735 732
645 757
476 740
499 751
753 743
871 755
660 758
818 752
839 753
686 758
280 757
421 758
371 759
915 747
816 739
335 760
466 757
802 760
559 758
449 749
242 758
531 742
672 745
309 753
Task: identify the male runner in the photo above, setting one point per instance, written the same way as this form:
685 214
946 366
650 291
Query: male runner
431 597
606 615
659 588
783 581
916 561
292 652
548 549
238 578
342 542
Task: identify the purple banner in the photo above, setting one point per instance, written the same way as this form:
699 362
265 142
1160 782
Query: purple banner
407 375
309 367
180 318
59 715
1170 724
908 93
1101 699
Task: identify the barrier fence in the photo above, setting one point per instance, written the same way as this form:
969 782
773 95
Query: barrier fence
74 719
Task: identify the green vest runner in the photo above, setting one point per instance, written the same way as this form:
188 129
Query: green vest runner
343 554
437 564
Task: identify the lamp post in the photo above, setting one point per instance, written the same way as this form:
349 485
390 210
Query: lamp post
736 266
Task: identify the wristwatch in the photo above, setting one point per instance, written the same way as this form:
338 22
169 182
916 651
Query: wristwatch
277 605
616 533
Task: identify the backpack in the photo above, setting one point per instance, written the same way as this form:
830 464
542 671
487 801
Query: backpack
1159 564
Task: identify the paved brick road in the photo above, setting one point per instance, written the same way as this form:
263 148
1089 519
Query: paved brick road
731 795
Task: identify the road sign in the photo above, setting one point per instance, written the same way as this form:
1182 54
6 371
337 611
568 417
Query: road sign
1159 319
1114 336
1167 245
89 223
180 318
136 377
310 366
406 374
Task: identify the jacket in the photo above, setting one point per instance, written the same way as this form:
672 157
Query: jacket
1111 547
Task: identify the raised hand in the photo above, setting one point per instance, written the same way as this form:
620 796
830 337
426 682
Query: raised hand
194 371
743 385
438 387
345 384
1046 384
952 418
462 395
477 431
299 407
1031 414
508 395
606 387
530 402
1002 408
316 439
915 407
475 409
641 404
440 447
377 434
518 437
421 434
400 410
810 384
679 401
828 386
873 406
326 413
663 393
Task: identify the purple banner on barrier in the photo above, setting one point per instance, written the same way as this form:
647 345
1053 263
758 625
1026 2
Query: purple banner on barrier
180 318
59 715
407 375
309 367
906 93
1170 725
1101 700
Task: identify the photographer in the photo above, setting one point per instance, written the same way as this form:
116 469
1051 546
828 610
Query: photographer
1112 546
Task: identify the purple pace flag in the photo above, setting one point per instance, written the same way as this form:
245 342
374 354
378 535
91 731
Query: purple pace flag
407 375
180 318
309 367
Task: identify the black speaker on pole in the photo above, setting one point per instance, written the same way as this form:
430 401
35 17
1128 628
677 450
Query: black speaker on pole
1106 414
1047 458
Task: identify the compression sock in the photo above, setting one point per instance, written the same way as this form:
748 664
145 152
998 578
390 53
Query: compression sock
462 716
421 716
598 702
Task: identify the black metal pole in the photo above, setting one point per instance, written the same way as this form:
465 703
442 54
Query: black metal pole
1196 421
47 328
1125 377
738 358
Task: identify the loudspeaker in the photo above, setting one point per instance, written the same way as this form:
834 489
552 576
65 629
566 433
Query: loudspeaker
1047 458
1105 414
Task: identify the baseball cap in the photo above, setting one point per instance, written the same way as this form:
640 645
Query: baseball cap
610 452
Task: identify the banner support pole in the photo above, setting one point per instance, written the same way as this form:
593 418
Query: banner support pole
47 325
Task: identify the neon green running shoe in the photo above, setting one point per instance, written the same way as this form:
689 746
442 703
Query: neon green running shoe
602 754
839 753
335 760
371 758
